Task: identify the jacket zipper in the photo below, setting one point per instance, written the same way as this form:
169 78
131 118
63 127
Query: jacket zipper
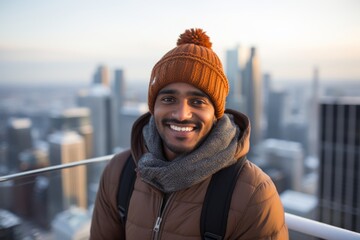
159 219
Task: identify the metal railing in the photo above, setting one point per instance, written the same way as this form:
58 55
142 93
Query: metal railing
295 223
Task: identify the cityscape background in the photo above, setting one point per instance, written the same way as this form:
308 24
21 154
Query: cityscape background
73 79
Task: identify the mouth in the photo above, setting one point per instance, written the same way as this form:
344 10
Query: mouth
181 129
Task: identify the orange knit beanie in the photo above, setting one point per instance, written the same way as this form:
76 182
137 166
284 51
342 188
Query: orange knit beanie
194 62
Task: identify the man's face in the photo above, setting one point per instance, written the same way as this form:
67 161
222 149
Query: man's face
184 115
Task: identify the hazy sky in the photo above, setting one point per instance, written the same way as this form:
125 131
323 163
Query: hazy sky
64 41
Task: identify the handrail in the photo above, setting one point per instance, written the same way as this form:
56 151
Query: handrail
53 168
295 223
318 229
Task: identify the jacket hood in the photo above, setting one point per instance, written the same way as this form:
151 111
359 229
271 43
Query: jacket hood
138 147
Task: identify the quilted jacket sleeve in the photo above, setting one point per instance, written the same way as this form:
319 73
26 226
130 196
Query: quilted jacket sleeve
263 217
106 220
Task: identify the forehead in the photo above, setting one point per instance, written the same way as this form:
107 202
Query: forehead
182 88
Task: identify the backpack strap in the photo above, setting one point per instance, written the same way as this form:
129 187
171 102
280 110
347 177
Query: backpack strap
126 187
216 204
217 201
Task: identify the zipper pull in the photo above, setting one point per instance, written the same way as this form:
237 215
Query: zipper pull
157 224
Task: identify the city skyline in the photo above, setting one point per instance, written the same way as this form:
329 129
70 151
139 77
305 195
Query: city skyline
62 42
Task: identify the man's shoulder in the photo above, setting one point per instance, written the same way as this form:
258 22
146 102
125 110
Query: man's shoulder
116 164
253 184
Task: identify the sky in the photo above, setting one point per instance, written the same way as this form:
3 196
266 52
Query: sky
64 41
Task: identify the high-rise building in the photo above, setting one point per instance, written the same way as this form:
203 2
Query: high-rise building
101 76
253 92
234 69
100 102
70 186
339 154
275 114
119 88
286 156
313 116
18 140
128 115
118 96
98 99
75 119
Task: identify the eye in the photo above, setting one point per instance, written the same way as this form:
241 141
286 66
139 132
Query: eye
198 102
167 99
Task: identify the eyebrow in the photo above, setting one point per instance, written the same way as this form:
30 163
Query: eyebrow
190 93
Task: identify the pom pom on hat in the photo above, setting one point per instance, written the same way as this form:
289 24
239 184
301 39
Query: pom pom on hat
193 62
195 36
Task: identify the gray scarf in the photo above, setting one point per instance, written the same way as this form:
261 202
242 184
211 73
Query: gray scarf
214 154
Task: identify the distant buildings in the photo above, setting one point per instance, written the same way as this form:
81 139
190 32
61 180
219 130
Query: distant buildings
339 170
246 90
18 139
98 99
70 189
287 159
101 76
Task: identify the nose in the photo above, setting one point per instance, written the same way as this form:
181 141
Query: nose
182 111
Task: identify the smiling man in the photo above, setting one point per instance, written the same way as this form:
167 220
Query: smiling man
187 138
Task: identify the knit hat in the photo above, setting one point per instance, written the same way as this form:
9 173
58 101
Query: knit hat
194 62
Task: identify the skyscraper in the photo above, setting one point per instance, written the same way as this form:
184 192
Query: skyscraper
18 140
75 119
67 147
275 114
101 76
234 68
253 92
286 156
313 115
100 102
118 96
339 154
98 99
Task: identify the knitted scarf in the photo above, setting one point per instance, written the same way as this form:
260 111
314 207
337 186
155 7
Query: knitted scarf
215 153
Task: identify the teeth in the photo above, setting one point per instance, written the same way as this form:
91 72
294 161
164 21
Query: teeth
181 129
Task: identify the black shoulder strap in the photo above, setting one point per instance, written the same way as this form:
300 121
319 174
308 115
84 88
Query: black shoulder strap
126 187
217 201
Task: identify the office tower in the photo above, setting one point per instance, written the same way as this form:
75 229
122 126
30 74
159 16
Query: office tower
75 119
18 140
118 96
339 154
3 159
128 115
234 69
286 156
101 76
28 160
67 187
252 90
275 114
40 200
313 116
98 100
119 88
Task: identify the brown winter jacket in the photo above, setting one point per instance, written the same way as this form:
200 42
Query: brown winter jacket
255 212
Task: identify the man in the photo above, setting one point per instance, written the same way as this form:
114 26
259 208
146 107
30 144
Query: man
186 137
